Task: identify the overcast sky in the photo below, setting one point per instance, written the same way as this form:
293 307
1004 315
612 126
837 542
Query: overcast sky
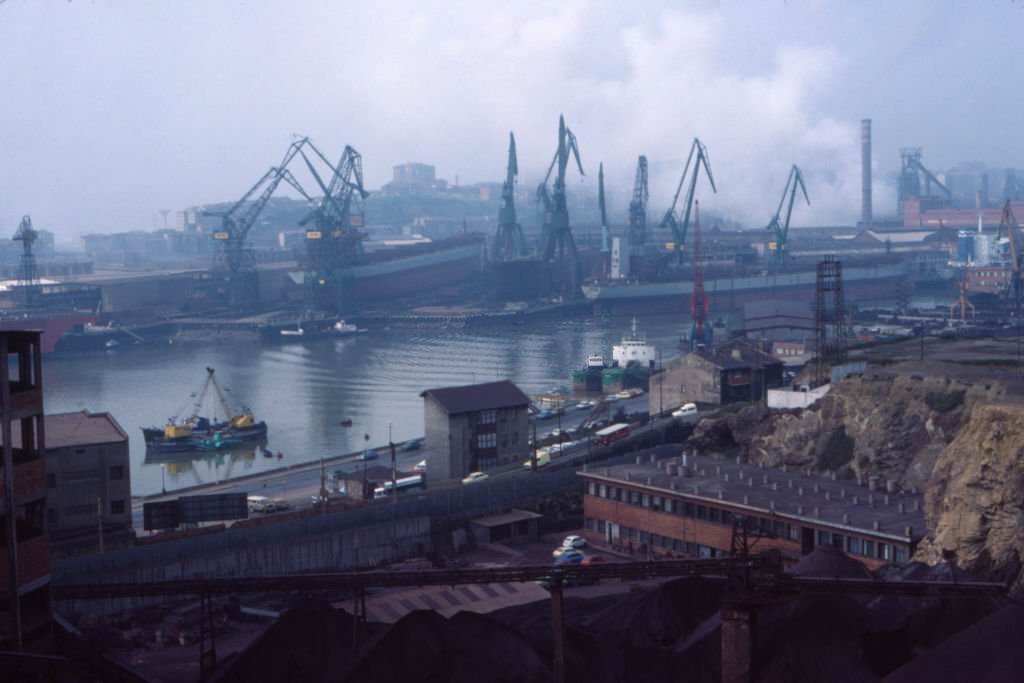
113 110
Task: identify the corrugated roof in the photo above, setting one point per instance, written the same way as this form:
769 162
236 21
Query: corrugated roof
473 397
82 429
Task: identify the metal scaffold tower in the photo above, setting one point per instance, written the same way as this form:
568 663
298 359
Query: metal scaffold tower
509 243
829 319
557 235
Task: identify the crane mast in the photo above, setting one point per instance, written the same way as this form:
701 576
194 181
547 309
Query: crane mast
605 233
779 226
698 157
509 244
700 304
558 240
1008 222
638 205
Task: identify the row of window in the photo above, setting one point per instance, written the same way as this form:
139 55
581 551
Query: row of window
779 528
117 507
638 540
114 473
490 440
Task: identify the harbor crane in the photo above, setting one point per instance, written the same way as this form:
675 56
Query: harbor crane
700 302
638 205
232 259
333 240
699 159
558 241
27 235
779 226
911 173
1008 223
509 244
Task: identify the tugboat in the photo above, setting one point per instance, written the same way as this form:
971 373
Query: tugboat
200 433
588 379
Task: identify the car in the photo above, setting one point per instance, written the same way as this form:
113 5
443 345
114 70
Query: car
624 394
367 455
687 411
421 466
474 477
411 445
317 499
570 556
574 542
611 398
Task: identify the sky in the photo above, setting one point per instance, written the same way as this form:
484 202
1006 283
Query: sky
113 110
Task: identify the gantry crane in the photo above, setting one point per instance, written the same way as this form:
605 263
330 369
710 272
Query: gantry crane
699 159
333 241
509 243
779 226
558 241
638 205
27 235
1008 223
700 303
232 259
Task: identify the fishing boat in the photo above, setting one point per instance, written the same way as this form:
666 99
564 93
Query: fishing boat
195 432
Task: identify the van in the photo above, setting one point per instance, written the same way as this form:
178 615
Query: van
687 412
543 459
257 503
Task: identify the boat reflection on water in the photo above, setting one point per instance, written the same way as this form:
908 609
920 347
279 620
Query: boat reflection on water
209 466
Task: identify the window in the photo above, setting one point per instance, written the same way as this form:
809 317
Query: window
601 525
702 512
116 472
486 440
726 517
715 515
504 441
51 480
602 491
486 417
824 538
900 554
853 545
869 549
591 488
645 500
883 552
794 532
117 507
689 510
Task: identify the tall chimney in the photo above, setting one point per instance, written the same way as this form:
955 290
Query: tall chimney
865 171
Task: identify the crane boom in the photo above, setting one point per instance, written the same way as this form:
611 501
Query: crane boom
779 226
701 160
638 205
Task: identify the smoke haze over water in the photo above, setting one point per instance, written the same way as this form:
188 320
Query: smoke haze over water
112 111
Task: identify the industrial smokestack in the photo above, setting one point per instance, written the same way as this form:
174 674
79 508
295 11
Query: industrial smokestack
865 171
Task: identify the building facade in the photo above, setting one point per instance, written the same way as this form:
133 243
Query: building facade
687 506
732 372
474 428
24 551
88 476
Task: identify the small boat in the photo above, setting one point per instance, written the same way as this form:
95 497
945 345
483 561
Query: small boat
347 422
297 332
343 328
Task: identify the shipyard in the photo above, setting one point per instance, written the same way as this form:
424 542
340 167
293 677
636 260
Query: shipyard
411 343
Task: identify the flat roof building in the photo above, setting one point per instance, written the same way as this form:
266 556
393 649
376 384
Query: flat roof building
687 505
474 428
87 470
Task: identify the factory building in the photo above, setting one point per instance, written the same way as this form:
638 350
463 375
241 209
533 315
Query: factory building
474 428
88 476
687 506
729 373
26 618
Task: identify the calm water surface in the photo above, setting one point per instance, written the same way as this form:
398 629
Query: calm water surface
305 389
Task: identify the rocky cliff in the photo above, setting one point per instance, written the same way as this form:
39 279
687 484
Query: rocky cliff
974 501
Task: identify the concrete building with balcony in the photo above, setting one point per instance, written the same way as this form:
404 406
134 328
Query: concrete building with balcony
25 616
687 505
474 428
87 473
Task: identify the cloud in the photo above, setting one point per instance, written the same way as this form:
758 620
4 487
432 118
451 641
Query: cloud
123 110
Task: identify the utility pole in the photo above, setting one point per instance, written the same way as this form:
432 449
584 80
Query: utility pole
99 520
533 456
394 491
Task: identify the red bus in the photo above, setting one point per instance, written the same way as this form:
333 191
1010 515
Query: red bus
611 434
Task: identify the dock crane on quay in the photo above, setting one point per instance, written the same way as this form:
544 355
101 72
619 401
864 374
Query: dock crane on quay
333 238
509 244
638 205
557 235
699 159
233 266
778 226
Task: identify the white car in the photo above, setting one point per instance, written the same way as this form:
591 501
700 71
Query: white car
574 542
624 394
688 412
474 477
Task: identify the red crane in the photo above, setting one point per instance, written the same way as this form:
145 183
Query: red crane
700 304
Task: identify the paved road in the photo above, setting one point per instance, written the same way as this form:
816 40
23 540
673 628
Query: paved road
297 485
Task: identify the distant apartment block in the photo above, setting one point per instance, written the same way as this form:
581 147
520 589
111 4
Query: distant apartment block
87 475
414 175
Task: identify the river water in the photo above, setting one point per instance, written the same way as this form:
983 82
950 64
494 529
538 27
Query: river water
304 390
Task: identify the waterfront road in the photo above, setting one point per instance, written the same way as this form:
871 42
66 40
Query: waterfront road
298 484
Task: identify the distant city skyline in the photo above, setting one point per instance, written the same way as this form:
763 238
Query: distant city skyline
115 111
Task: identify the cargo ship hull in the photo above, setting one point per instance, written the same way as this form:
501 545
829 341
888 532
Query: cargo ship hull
861 284
53 325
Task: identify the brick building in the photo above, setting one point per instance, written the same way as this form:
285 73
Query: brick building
687 506
474 428
24 551
87 468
